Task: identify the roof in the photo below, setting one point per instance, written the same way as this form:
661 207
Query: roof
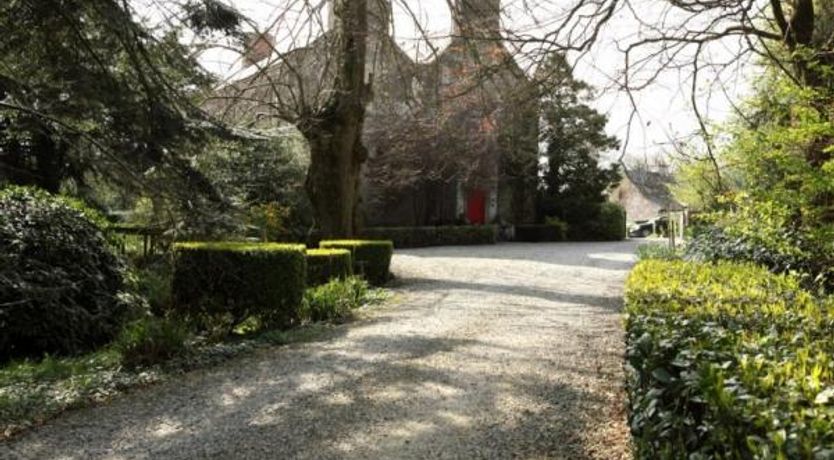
654 185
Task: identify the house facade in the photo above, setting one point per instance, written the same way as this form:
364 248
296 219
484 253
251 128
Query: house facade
451 140
644 194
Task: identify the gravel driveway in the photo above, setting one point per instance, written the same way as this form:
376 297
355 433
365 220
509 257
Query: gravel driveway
507 351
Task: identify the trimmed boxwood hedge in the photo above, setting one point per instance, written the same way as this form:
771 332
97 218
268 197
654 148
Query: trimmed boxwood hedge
324 265
534 233
224 283
450 235
727 360
371 258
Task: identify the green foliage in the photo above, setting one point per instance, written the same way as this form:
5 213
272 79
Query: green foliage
540 232
269 220
713 243
61 286
207 16
658 251
218 285
573 181
324 265
702 186
264 179
776 204
152 281
449 235
151 340
335 300
90 92
371 258
727 360
608 224
558 223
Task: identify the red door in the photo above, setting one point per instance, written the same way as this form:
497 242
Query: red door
476 207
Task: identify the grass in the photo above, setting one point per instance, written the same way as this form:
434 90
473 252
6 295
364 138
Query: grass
34 391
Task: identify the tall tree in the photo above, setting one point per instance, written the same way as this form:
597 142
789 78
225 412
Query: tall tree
573 181
321 86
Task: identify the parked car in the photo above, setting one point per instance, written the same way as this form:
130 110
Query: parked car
641 229
644 228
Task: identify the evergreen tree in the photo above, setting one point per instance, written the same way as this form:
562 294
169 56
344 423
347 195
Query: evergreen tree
573 182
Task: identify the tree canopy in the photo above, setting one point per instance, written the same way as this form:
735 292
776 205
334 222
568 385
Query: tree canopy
88 92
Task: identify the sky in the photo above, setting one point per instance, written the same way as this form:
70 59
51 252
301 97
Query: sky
664 108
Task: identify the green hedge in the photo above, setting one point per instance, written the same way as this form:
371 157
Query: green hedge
418 237
609 225
371 259
324 265
224 283
727 360
535 233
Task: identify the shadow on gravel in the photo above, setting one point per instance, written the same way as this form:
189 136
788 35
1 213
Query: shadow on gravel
429 284
618 255
323 403
380 390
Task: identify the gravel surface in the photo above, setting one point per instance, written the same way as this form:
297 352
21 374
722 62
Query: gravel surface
507 351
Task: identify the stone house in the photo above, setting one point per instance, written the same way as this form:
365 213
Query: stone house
451 140
644 193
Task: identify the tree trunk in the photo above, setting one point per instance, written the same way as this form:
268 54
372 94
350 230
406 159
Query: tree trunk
335 133
49 158
336 156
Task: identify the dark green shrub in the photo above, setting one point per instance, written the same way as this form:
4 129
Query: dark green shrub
418 237
324 265
710 243
150 341
609 224
463 235
334 300
535 233
558 223
221 284
371 259
61 286
153 282
727 361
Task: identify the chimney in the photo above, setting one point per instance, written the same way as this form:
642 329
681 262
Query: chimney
258 47
477 18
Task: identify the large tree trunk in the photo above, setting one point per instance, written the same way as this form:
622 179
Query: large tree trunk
335 133
336 156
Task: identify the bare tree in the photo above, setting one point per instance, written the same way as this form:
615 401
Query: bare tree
321 86
320 82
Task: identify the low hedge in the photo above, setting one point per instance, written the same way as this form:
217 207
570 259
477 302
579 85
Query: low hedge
417 237
324 265
608 225
727 360
371 259
535 233
224 283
